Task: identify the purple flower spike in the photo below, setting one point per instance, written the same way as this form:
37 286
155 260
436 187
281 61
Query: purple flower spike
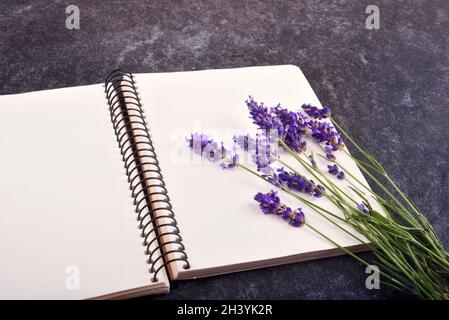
205 146
315 112
292 129
264 155
262 152
289 126
231 163
329 154
246 142
261 115
286 212
362 208
292 126
297 218
263 163
198 142
333 169
297 183
214 151
322 132
270 203
318 191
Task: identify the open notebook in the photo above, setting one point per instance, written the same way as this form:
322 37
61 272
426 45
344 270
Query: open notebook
91 206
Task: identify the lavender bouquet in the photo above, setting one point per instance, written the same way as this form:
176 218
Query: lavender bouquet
408 253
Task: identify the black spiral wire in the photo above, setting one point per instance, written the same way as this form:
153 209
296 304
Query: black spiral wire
152 204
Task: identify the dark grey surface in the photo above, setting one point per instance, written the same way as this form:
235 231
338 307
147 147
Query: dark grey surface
390 87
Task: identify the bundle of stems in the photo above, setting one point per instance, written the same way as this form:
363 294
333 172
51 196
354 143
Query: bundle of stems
408 253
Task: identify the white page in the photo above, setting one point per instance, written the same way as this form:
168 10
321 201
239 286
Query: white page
220 222
65 205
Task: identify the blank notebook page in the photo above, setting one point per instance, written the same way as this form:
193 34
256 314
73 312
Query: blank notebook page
219 221
65 206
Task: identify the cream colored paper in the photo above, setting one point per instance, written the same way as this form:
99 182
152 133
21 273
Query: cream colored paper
65 205
221 225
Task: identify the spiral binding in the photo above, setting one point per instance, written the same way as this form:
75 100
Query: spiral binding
152 203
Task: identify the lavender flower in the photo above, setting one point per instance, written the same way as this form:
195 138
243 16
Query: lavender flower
205 146
297 218
263 162
322 132
246 142
232 162
329 154
289 126
292 126
292 129
296 182
316 113
334 170
264 155
198 142
362 208
262 151
270 203
261 115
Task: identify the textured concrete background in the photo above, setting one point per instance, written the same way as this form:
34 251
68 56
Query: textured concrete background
390 87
